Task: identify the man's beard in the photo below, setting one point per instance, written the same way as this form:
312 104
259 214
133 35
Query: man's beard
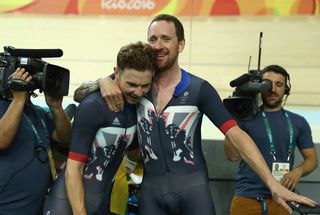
167 66
273 104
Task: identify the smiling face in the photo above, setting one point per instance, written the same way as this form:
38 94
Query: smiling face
133 84
134 70
163 39
272 100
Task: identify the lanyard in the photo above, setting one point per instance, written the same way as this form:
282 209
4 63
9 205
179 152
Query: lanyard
41 152
269 133
40 149
264 209
39 141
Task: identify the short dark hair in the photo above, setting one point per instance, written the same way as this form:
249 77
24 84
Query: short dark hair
177 24
275 68
139 56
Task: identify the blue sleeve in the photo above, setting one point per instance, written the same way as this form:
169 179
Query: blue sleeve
211 105
87 122
304 139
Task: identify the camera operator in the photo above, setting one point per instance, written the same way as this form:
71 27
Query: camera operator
276 132
25 134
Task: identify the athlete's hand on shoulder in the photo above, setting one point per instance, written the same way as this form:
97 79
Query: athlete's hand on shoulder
112 94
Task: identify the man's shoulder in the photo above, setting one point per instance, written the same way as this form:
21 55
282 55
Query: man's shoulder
192 81
191 76
93 102
94 97
294 115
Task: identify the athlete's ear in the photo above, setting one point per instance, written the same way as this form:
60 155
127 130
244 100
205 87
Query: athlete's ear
181 45
116 72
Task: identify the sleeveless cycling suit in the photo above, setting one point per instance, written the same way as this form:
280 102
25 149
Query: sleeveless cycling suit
175 172
99 139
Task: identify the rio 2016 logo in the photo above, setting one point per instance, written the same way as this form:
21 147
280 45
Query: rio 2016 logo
128 4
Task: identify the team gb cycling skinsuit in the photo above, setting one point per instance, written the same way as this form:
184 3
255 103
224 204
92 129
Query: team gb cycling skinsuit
176 177
99 139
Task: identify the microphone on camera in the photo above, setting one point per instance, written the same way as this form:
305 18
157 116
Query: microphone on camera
34 53
240 80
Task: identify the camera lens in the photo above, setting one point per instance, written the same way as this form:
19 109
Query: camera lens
53 82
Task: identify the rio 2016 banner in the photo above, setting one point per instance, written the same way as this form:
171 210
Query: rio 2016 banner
175 7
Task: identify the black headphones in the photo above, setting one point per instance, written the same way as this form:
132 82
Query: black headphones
280 70
288 84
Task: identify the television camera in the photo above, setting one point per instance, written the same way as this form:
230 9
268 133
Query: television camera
246 98
49 78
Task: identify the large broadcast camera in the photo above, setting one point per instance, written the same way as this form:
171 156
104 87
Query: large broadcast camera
246 99
49 78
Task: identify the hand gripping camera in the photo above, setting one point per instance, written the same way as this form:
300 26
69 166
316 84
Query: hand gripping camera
49 78
246 99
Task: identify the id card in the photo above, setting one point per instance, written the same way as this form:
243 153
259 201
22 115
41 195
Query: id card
279 169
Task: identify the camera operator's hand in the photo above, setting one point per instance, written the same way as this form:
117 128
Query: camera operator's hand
10 121
53 102
21 74
62 133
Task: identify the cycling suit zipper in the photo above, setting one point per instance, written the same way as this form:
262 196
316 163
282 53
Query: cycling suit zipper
160 131
161 146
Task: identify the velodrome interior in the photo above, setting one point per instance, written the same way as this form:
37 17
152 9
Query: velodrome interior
217 49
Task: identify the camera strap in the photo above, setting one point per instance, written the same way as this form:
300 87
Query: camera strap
42 153
270 138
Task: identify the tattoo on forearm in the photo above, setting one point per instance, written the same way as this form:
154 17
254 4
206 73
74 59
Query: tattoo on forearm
275 196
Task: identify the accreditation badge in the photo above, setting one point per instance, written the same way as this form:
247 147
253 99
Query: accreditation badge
279 169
